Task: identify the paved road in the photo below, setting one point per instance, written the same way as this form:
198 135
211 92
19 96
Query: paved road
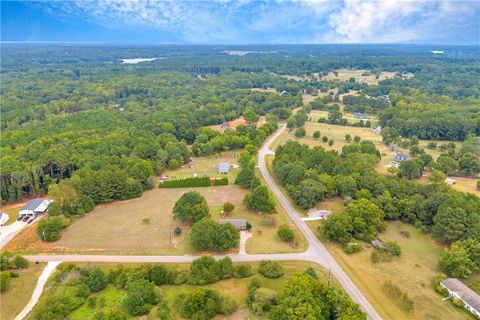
316 251
316 248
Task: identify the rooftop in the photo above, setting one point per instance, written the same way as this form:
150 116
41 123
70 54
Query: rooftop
33 204
465 293
238 223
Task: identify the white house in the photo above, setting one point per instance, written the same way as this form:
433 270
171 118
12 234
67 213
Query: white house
457 290
450 181
34 207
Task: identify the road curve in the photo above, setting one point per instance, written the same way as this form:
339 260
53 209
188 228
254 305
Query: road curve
316 248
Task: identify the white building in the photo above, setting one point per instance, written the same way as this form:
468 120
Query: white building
34 207
457 290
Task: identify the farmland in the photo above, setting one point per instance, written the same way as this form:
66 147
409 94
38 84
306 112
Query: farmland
359 75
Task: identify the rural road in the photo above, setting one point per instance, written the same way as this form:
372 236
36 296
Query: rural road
316 248
316 251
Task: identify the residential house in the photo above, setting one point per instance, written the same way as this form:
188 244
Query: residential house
240 224
450 181
360 115
458 290
223 167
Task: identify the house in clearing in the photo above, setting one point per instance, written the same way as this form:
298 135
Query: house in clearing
399 157
450 181
240 224
458 290
223 167
34 207
360 115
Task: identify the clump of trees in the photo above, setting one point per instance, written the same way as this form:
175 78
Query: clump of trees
461 259
191 207
50 229
207 234
270 269
260 199
8 263
202 303
286 233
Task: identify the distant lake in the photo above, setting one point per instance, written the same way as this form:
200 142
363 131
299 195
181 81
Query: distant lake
138 60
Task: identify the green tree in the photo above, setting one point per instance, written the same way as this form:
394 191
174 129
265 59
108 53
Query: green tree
250 115
140 298
191 207
207 234
260 199
158 274
97 280
285 233
50 229
437 176
228 207
338 227
456 262
300 132
469 163
410 169
199 303
367 219
270 269
316 134
4 281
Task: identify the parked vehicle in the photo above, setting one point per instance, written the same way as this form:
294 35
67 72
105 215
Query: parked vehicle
30 221
25 219
19 218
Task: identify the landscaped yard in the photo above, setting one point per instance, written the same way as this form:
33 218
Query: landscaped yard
144 225
412 272
20 291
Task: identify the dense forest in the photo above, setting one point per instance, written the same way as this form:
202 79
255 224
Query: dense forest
76 112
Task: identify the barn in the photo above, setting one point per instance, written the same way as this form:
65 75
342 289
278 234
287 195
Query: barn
34 207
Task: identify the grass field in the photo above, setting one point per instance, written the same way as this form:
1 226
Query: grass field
346 74
119 227
236 288
207 166
412 272
20 291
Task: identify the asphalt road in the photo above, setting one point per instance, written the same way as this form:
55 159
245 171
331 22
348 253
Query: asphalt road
316 248
316 251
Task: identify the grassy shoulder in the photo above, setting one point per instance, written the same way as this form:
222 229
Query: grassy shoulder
235 287
412 272
20 291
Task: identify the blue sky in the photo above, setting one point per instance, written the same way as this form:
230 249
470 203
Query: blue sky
242 21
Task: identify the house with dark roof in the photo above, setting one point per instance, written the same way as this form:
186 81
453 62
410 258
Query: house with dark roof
223 167
240 224
359 115
34 207
458 290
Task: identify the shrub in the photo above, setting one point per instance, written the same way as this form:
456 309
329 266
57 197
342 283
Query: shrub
146 221
163 311
178 231
436 284
324 138
20 262
114 314
243 271
393 248
270 269
311 272
141 297
300 132
228 207
158 274
227 305
352 247
203 271
286 233
316 134
92 302
4 281
200 303
57 307
263 300
50 229
97 280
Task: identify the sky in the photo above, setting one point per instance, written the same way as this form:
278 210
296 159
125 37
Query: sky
242 21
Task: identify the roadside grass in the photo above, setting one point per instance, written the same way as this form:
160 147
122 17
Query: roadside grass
119 228
412 272
12 211
235 288
207 166
20 291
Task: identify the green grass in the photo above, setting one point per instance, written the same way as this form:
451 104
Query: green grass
111 297
412 272
20 291
12 212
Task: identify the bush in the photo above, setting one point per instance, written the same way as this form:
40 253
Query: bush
200 303
393 248
158 274
243 271
220 182
228 207
141 297
163 311
270 269
316 135
300 132
204 270
352 247
57 307
437 286
178 231
263 300
97 280
227 305
50 229
4 281
114 314
286 233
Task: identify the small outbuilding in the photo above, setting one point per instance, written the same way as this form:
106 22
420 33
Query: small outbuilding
458 290
223 167
360 115
378 244
399 157
240 224
450 181
34 207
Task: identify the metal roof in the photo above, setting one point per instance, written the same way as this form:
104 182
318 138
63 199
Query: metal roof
224 167
466 294
238 223
33 204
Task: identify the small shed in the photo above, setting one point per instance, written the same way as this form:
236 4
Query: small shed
450 181
360 115
34 207
377 129
223 167
240 224
399 157
378 244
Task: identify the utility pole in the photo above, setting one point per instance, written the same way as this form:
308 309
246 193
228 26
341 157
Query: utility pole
329 277
43 234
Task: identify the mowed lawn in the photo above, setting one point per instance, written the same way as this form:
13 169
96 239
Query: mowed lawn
20 291
412 272
12 211
346 74
145 225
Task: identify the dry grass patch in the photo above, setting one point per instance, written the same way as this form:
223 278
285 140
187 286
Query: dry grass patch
359 75
20 291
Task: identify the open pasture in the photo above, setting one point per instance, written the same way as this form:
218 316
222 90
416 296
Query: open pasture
359 75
